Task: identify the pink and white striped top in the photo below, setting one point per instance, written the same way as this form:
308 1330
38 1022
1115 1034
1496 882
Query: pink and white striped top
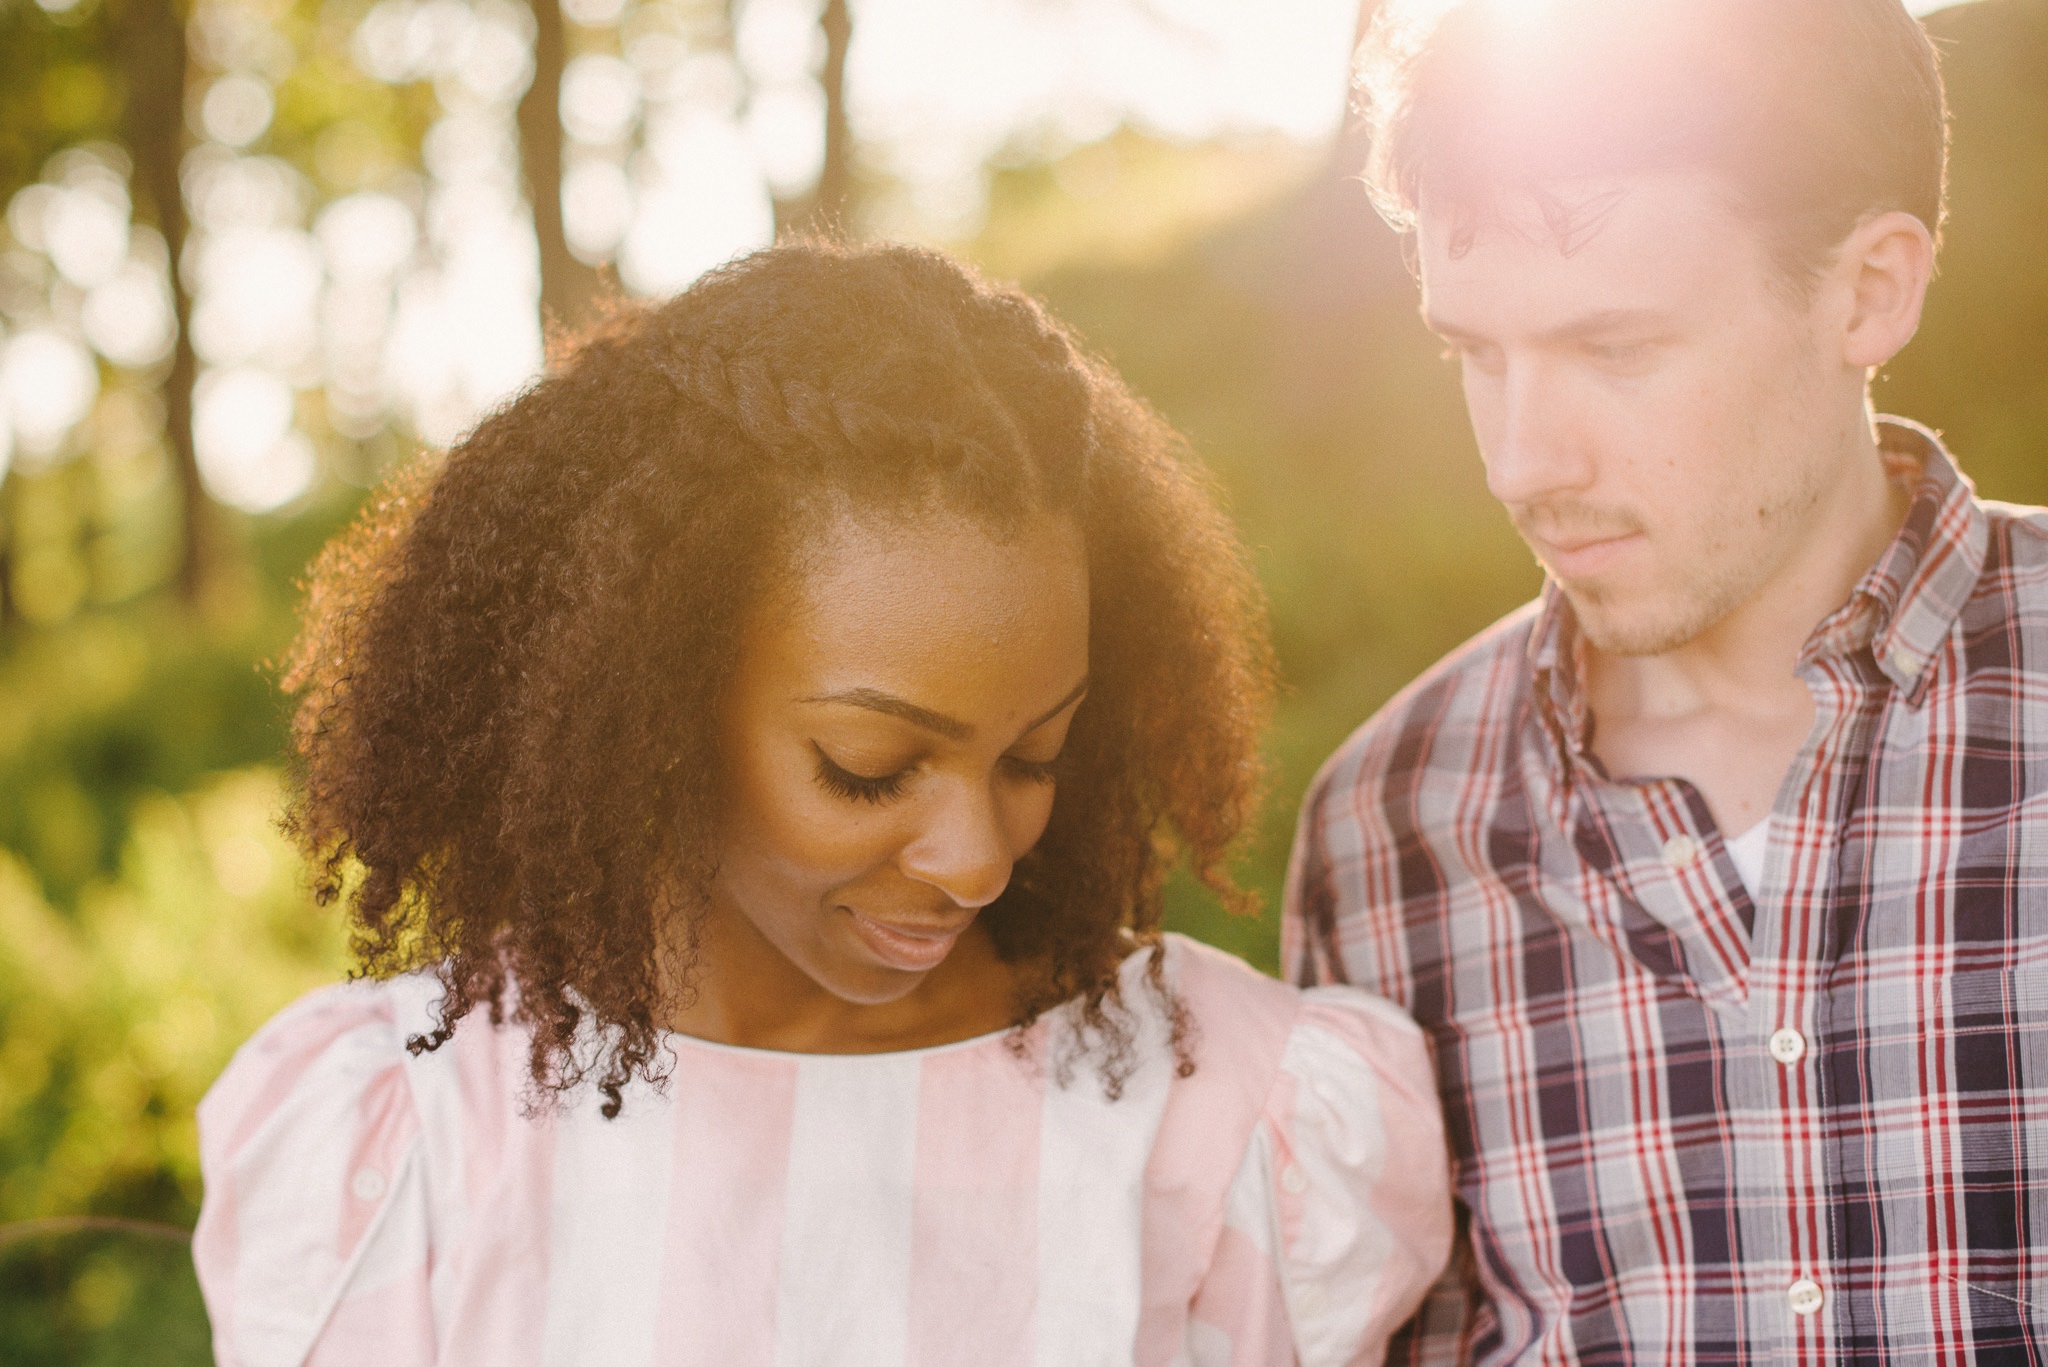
1288 1202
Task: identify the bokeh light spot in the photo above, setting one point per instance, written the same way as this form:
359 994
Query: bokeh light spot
127 317
597 207
86 231
600 98
702 201
47 383
237 109
248 453
366 237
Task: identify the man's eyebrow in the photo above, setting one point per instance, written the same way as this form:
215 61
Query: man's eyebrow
1608 320
875 700
1586 325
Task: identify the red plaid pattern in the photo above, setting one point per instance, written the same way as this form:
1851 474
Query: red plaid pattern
1694 1125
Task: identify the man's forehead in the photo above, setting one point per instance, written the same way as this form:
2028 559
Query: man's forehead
1622 241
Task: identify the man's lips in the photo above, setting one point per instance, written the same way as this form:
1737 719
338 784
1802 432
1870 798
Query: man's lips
1580 557
911 948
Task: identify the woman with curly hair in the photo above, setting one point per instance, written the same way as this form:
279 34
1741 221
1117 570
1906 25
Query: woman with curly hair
750 763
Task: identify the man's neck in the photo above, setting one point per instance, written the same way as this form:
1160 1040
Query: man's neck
1727 709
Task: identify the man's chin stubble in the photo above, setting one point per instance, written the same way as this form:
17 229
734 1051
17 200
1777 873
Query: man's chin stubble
1612 633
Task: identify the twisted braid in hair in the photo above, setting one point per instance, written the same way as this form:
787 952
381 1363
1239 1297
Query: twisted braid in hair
511 667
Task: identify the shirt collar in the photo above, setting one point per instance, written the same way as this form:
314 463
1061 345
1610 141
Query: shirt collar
1902 608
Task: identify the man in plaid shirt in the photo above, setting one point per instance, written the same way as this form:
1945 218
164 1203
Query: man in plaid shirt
1718 875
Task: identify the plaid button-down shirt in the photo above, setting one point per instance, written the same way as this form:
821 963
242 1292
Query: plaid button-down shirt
1697 1123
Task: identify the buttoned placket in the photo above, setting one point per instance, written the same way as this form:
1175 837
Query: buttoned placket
1789 953
1852 664
1787 943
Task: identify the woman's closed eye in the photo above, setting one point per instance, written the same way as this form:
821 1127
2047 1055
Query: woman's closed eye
1033 770
843 782
853 786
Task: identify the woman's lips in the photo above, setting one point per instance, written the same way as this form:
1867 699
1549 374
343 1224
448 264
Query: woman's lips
902 947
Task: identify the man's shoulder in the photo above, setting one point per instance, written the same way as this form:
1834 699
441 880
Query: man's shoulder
2011 592
1445 716
2020 530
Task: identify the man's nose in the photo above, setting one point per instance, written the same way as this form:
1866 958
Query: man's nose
962 850
1529 442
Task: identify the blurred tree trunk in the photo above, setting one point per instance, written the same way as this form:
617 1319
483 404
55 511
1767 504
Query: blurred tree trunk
150 47
567 286
826 208
8 614
835 178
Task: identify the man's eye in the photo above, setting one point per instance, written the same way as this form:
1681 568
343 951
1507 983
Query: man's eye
1619 353
844 783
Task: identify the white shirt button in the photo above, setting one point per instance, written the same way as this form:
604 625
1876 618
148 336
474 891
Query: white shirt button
1804 1296
367 1184
1293 1180
1681 851
1787 1046
1905 661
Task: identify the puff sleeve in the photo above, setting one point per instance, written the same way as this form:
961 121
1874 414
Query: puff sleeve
313 1243
1339 1218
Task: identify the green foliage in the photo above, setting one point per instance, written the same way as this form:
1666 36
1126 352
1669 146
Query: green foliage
1978 370
56 85
101 1299
119 1013
150 916
115 1016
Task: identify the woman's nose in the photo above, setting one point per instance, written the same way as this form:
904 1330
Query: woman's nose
962 850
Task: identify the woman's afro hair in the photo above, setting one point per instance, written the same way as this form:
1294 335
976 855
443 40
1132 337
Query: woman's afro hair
512 666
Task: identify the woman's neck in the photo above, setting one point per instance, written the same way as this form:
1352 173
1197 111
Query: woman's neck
745 992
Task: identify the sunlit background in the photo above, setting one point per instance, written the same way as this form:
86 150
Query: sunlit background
375 210
354 269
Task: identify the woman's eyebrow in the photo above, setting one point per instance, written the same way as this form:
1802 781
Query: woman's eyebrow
875 700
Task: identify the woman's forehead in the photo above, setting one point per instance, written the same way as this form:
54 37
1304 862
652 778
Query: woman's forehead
931 606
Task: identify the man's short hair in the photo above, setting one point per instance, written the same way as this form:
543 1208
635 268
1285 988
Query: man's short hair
1821 113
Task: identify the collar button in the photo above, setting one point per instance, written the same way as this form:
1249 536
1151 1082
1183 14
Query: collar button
1681 852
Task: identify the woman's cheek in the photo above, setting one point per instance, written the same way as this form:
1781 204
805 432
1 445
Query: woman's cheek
830 840
1033 813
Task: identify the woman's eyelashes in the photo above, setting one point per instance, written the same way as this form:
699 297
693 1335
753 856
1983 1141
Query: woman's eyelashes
842 782
1034 770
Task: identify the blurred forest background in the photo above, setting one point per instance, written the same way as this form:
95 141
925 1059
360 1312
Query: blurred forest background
369 205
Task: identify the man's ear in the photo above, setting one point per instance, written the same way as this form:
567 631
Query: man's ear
1885 265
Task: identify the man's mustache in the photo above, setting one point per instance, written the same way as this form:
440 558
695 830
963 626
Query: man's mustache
1560 523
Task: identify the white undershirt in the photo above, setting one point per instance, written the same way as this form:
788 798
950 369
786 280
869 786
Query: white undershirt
1746 852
